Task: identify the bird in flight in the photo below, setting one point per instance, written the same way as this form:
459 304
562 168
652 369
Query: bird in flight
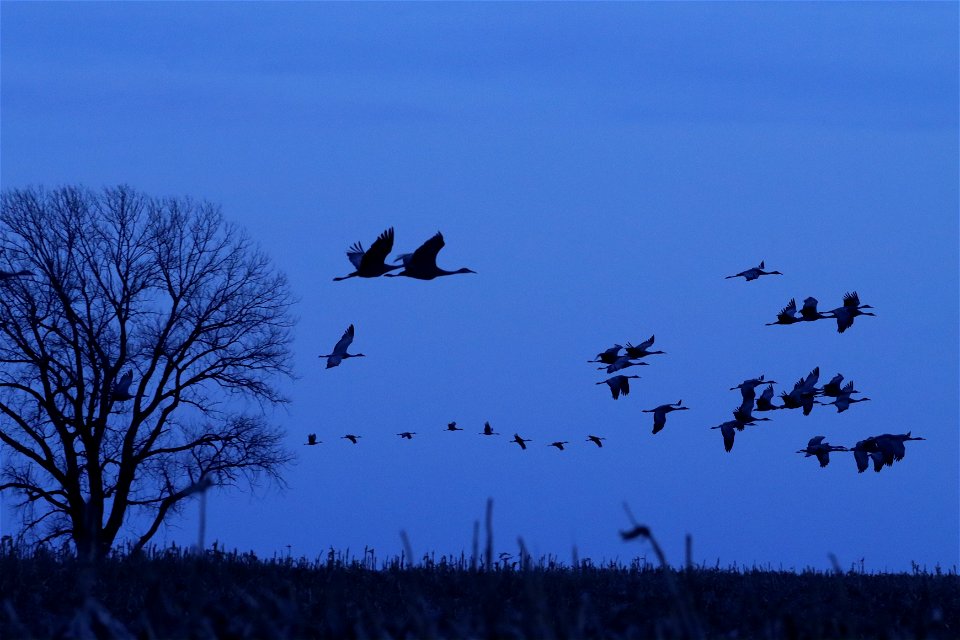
787 315
621 363
452 426
754 272
804 393
121 390
851 309
520 441
407 435
729 428
488 430
660 414
890 447
642 350
422 263
748 388
312 440
809 313
833 388
558 444
370 263
817 447
743 415
352 438
765 401
596 440
619 384
842 400
609 356
340 350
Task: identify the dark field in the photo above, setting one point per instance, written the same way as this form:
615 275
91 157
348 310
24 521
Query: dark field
170 594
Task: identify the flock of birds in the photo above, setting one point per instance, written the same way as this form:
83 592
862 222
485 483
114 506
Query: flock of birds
882 450
452 426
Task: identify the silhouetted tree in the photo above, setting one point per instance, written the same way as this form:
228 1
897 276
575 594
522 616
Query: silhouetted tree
123 283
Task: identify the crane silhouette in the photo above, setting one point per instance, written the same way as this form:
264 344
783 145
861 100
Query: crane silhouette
890 448
422 263
642 350
352 438
340 350
817 447
787 315
596 440
312 440
809 313
804 393
729 428
755 272
488 430
842 401
121 390
619 384
608 356
622 363
748 388
558 444
520 441
851 309
883 450
833 388
729 431
407 435
765 401
452 426
660 414
371 263
743 415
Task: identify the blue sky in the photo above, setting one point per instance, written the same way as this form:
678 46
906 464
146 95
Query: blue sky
602 167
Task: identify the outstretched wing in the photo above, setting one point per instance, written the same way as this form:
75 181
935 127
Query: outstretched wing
646 344
344 342
659 419
379 250
789 311
355 254
809 309
816 440
614 384
728 436
844 318
426 254
851 300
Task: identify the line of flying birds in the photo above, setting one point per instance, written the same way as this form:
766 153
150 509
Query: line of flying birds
882 449
452 426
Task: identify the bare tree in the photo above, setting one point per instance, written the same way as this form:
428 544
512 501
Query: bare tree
102 287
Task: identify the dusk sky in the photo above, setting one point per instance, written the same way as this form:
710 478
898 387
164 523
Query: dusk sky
602 167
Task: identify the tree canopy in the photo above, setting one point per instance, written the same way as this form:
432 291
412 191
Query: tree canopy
142 341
